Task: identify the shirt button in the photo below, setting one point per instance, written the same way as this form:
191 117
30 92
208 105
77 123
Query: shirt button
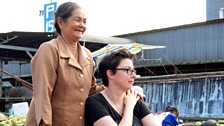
80 117
81 103
81 89
81 75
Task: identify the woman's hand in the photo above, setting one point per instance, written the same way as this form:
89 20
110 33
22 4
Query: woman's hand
131 99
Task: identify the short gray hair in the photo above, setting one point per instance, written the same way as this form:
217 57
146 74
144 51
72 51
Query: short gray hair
64 11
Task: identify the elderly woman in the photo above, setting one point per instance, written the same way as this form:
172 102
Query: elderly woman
62 73
118 104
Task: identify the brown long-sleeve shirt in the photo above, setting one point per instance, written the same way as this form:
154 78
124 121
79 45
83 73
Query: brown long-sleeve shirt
61 84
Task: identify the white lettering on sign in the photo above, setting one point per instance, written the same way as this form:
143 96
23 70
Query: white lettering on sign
49 10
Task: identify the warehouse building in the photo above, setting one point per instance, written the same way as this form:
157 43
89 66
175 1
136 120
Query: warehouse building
189 48
188 73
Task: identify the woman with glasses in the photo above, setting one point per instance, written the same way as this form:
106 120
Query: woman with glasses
118 104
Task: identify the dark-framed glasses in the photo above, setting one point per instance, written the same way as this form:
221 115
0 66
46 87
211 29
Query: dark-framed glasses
128 70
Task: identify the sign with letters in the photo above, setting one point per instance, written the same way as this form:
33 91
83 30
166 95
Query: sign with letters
49 10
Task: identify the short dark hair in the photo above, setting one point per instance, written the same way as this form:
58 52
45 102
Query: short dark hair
64 11
171 109
111 61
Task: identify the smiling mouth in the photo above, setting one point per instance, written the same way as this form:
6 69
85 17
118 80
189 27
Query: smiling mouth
81 31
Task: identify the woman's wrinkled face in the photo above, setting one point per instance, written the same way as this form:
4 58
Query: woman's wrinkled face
74 27
125 75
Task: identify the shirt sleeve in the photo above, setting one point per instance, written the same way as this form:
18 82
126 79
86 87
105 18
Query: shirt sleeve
94 110
141 110
44 66
170 119
94 87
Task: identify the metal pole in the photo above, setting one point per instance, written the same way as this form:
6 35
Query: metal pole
24 83
0 78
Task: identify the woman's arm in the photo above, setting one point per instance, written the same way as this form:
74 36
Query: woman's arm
44 65
95 87
150 120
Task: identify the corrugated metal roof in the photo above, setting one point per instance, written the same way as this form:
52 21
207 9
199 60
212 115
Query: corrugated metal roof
216 21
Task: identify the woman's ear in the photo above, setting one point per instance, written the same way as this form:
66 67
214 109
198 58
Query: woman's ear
60 22
109 74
